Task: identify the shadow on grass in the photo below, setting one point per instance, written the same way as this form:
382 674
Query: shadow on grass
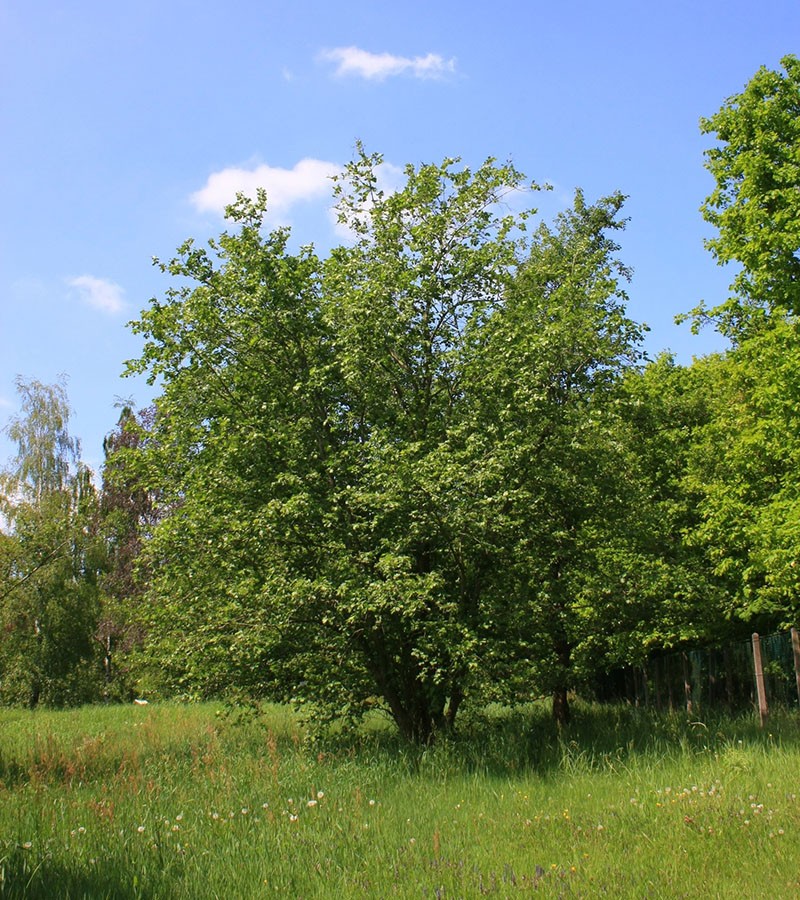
24 875
502 741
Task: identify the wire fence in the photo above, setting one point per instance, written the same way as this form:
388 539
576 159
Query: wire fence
719 677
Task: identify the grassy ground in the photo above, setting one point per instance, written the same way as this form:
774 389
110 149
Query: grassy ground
184 802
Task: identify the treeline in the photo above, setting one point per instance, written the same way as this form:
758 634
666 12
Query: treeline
431 468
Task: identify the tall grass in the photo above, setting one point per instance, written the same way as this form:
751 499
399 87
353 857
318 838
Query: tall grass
188 802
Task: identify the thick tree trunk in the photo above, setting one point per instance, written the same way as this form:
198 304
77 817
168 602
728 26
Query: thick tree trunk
409 704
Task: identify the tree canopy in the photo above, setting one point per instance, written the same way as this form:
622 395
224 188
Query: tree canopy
755 205
353 446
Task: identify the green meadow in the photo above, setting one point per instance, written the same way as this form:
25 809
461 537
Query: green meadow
193 801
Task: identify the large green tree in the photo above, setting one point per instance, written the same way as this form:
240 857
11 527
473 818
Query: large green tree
49 600
376 462
744 463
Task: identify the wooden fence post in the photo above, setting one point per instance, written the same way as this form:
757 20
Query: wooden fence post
763 710
796 652
687 683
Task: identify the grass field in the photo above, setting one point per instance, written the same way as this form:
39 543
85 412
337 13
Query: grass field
180 801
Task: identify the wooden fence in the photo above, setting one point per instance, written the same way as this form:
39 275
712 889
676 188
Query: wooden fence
760 673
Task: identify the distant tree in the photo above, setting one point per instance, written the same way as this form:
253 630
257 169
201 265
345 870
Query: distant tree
128 513
49 600
756 202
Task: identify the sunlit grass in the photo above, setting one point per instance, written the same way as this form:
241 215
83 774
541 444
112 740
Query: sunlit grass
188 802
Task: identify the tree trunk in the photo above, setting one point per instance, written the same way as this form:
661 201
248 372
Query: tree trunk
456 696
561 707
409 705
560 700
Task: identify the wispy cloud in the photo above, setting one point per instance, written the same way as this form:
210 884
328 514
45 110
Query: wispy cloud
379 66
308 180
99 293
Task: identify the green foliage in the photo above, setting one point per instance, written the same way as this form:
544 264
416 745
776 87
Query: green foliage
744 469
546 410
673 598
386 471
49 599
742 465
756 202
129 511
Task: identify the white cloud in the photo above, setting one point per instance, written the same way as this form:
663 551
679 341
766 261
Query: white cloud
379 66
308 180
99 293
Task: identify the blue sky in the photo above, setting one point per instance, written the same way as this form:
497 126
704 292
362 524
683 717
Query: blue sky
125 126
